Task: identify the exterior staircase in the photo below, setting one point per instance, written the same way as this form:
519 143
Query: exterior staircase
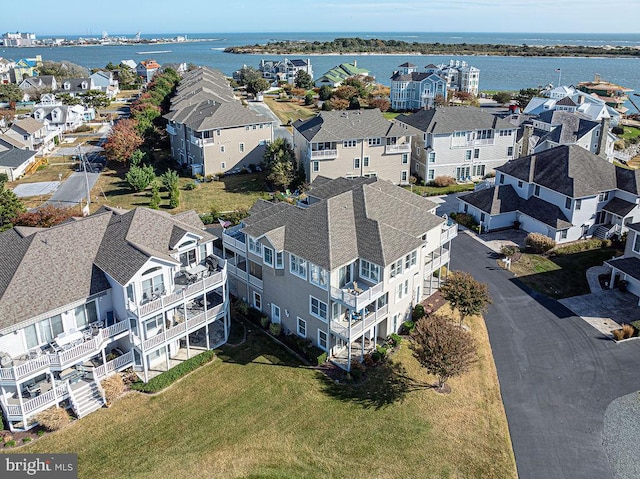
601 232
86 398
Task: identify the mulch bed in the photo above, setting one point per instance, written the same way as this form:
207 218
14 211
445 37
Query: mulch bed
433 303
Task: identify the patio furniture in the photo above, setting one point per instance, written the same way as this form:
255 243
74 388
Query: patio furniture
197 271
45 387
5 360
87 334
69 339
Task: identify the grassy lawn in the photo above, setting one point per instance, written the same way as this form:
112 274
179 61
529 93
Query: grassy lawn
390 115
630 132
255 412
289 110
444 190
48 173
560 276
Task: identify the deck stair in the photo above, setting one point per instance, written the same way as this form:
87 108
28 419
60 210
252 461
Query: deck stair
86 398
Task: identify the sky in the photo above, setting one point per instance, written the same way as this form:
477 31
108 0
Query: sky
228 16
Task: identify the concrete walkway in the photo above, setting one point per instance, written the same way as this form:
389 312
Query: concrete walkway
592 277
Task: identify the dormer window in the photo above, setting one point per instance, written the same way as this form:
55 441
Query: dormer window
84 85
67 85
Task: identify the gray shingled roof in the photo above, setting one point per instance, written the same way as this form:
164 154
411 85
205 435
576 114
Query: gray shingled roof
350 124
567 169
619 207
28 125
15 157
448 119
630 266
361 221
209 115
413 76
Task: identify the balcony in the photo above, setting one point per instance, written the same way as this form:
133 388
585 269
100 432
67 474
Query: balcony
171 130
61 359
14 411
192 324
469 143
195 141
449 231
393 149
436 260
234 238
323 154
357 296
117 364
181 293
353 328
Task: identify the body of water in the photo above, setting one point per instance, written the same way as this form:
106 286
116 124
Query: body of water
496 73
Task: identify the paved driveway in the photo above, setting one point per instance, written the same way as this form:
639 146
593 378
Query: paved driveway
73 189
557 375
278 131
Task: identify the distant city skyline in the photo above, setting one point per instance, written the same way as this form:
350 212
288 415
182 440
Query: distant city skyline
200 16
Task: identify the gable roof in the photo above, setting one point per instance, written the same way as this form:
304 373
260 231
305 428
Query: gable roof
445 120
353 219
15 157
28 125
351 124
209 115
566 169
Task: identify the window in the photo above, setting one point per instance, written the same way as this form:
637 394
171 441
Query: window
536 190
482 217
322 339
152 287
604 196
410 260
241 146
257 300
519 184
478 170
396 269
432 157
223 165
188 258
563 234
467 155
405 158
30 336
476 153
298 266
302 328
221 148
280 260
315 166
636 243
317 308
369 271
254 246
267 255
84 315
374 141
567 203
49 328
275 313
431 174
255 269
578 205
466 208
365 161
501 179
131 292
402 289
349 143
510 151
356 163
404 176
318 275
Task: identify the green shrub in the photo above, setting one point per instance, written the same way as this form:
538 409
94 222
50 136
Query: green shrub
441 181
408 326
190 186
264 322
254 314
40 432
395 339
584 245
466 220
322 358
241 307
172 375
275 329
418 312
26 439
539 243
509 250
636 324
381 350
376 356
10 443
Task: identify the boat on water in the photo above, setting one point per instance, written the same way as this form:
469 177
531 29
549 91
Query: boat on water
153 52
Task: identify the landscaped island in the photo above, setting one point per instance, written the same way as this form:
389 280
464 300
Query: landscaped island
374 45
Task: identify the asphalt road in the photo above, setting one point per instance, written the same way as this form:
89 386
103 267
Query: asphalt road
557 374
73 189
278 130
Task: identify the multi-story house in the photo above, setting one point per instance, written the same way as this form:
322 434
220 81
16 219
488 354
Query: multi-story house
146 69
84 299
33 134
566 193
25 67
340 73
77 86
627 266
353 143
61 118
412 90
210 131
613 95
465 143
284 70
6 69
458 74
345 267
106 81
35 86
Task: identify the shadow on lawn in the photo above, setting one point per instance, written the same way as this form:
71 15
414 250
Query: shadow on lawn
383 385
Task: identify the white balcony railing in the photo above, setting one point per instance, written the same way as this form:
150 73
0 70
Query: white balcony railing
43 401
433 263
449 231
355 329
323 154
404 148
195 141
257 282
204 284
235 238
171 130
357 300
121 362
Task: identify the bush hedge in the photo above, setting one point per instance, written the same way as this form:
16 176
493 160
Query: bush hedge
441 181
466 220
585 245
53 418
172 375
539 243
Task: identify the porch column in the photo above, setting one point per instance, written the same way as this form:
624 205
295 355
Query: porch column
104 356
53 386
166 355
612 279
21 402
188 349
227 325
145 368
206 332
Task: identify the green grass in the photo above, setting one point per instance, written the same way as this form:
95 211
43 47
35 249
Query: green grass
390 115
444 190
630 132
257 413
560 276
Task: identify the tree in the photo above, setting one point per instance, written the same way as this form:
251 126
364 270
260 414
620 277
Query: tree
381 104
303 80
128 78
356 83
10 92
122 141
247 74
169 180
10 207
354 103
278 150
154 203
524 96
257 86
139 177
67 99
309 99
439 100
464 97
465 294
281 174
62 70
44 217
174 198
502 97
337 103
345 92
442 348
95 99
325 92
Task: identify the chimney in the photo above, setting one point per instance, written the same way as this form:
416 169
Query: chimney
597 78
355 63
603 141
526 136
